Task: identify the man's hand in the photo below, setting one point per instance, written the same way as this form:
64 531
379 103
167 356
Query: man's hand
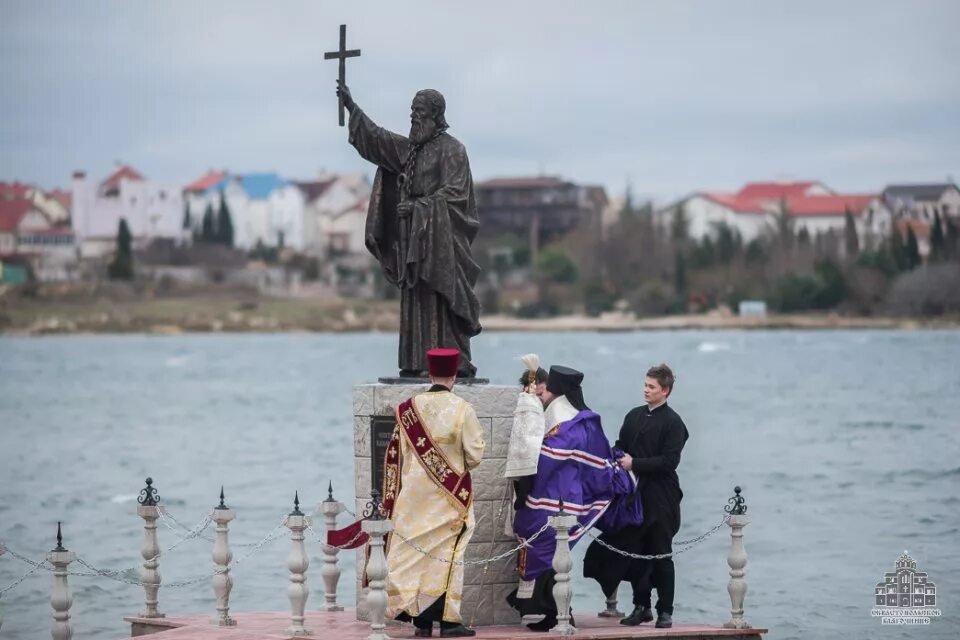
405 208
626 462
344 92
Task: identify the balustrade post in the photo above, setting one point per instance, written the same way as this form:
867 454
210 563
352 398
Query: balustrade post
297 562
222 555
562 564
61 599
376 527
737 586
148 509
330 509
611 611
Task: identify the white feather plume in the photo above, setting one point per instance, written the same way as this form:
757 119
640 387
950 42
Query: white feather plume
531 360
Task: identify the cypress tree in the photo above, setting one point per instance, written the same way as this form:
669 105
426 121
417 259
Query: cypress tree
938 243
121 267
208 231
224 223
851 241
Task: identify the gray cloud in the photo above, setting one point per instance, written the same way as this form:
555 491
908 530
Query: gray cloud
670 95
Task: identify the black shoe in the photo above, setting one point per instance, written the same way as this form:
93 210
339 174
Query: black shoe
664 621
544 625
458 631
639 615
424 632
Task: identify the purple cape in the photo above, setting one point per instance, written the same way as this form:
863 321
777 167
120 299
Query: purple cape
576 465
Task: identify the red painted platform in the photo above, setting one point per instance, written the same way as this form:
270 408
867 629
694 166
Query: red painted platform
344 626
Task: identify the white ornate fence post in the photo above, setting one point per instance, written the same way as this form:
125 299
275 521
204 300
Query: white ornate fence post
611 611
562 563
377 527
737 587
149 575
330 571
297 562
222 555
61 598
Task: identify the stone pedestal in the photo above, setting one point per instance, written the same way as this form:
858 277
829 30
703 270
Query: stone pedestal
484 591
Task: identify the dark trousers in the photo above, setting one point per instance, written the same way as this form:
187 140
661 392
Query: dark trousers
433 613
646 575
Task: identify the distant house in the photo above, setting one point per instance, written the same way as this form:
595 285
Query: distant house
923 201
753 210
55 204
264 208
152 210
27 235
336 212
540 208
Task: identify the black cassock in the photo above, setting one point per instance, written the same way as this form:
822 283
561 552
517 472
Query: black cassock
654 440
427 256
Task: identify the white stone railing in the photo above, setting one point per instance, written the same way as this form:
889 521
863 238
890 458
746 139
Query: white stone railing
298 563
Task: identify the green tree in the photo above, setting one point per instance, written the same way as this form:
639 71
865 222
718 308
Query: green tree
803 238
912 249
679 225
121 267
728 242
680 276
896 248
938 242
557 266
851 241
187 220
784 225
224 223
951 240
208 228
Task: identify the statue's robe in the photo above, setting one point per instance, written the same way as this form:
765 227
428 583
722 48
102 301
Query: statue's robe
428 256
576 466
435 518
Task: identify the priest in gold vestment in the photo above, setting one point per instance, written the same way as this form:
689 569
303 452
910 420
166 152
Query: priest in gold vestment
428 495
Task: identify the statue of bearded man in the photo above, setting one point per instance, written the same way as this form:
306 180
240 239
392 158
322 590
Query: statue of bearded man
420 225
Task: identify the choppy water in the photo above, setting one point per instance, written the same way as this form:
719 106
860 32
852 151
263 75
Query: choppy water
847 445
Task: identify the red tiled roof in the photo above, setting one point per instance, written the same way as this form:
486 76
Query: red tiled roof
774 190
12 212
206 181
735 202
123 173
523 183
14 190
65 198
828 205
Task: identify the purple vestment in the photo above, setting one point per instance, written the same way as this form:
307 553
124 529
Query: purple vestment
576 465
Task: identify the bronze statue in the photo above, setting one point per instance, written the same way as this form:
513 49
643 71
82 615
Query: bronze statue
420 225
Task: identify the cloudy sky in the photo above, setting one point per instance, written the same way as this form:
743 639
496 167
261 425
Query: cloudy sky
671 96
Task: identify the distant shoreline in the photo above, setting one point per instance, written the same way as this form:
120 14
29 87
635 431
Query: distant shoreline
54 324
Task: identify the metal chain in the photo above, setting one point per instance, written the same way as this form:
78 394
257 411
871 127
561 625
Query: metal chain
167 515
467 563
344 547
36 566
686 544
114 575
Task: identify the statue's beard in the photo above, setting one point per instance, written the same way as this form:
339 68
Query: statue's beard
422 130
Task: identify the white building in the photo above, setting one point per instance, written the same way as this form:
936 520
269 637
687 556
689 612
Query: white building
753 211
336 213
25 231
264 208
151 210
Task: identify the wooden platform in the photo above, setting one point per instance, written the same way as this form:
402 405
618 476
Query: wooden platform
344 626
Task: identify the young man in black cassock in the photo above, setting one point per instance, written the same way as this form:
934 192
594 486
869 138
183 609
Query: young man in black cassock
652 437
